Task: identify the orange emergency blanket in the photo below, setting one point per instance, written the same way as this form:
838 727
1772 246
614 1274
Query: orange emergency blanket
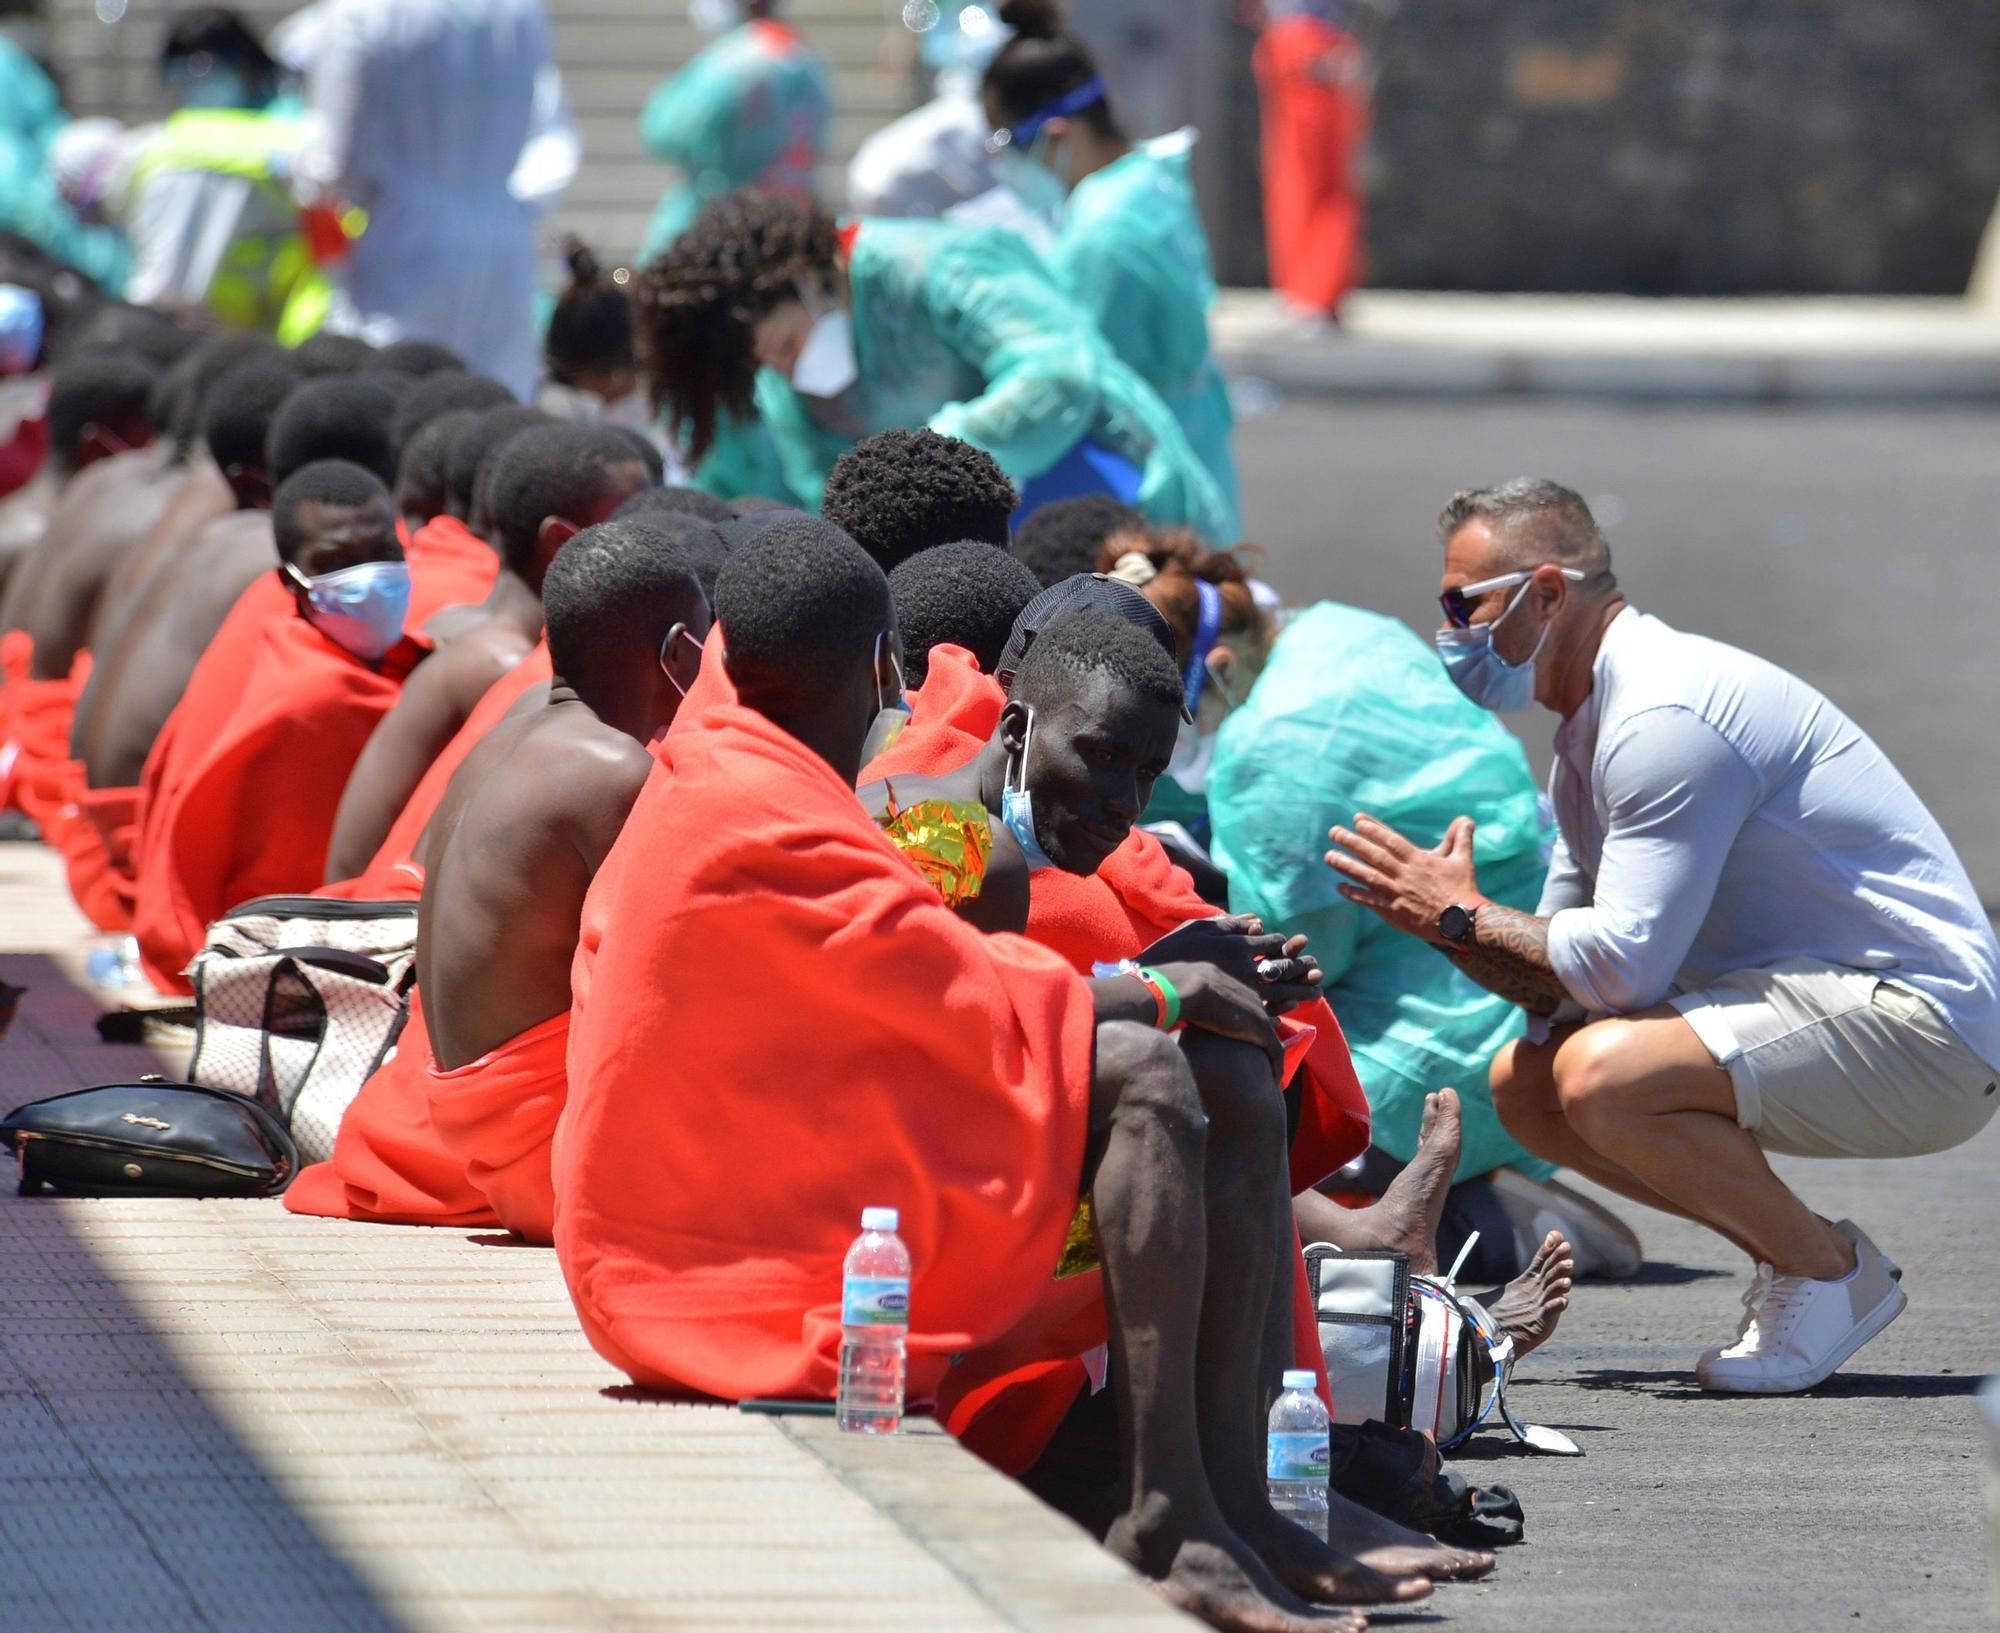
388 1165
247 797
97 831
712 1167
393 873
35 719
497 1116
450 566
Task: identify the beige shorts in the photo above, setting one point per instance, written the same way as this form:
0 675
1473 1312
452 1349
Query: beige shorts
1833 1062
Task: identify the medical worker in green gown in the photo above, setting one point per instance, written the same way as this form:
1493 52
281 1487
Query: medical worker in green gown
776 340
1129 244
749 110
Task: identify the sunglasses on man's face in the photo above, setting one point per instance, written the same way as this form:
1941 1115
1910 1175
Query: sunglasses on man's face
1458 603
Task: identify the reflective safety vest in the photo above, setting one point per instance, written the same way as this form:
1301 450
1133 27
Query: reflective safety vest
266 278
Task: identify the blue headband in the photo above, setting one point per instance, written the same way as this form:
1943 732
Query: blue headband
1086 95
1208 625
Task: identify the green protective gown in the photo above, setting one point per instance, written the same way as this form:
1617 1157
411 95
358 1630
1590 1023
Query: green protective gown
1355 713
1131 251
749 110
30 204
962 329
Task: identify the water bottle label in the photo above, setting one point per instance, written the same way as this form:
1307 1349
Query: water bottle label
875 1301
1297 1455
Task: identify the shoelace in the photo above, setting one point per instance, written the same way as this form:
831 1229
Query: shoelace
1773 1302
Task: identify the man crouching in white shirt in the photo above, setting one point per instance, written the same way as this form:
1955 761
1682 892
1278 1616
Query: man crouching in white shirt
1753 936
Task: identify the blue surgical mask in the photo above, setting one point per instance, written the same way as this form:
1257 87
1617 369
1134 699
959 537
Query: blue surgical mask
1017 807
1481 673
360 608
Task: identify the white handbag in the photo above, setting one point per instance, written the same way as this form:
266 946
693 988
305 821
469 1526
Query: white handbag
298 999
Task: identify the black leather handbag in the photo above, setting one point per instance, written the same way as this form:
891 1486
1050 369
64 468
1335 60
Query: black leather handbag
150 1138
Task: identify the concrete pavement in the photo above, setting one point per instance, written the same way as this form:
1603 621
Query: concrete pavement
1411 343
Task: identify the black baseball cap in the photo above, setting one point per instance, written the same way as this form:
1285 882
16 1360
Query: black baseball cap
1086 592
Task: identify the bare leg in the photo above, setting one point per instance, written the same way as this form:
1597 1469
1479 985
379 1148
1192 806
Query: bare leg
1643 1091
1146 1188
1406 1218
1246 1323
1530 1108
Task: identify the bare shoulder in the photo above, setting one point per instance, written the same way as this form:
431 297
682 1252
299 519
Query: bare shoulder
560 778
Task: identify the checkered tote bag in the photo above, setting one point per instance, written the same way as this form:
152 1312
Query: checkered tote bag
297 1000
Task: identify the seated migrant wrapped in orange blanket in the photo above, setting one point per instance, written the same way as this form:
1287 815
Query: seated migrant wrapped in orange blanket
247 797
778 1023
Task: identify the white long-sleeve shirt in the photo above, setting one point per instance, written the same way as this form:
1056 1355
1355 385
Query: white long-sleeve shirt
422 112
1716 813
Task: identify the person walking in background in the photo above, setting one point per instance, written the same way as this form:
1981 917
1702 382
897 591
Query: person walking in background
420 113
749 110
1316 113
1129 246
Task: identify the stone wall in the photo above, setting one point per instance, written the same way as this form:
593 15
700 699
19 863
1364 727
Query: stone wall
1702 147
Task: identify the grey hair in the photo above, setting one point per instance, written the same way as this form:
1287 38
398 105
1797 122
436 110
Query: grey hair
1532 520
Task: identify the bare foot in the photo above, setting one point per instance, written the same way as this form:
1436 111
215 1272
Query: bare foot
1316 1572
1211 1573
1207 1582
1376 1540
1528 1307
1406 1218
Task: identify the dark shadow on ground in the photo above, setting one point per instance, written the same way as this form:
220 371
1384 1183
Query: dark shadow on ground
130 1501
1654 1273
1677 1386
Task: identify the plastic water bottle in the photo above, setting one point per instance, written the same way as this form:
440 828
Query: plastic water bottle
1297 1464
874 1323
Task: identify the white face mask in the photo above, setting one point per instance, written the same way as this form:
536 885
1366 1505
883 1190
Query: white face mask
826 365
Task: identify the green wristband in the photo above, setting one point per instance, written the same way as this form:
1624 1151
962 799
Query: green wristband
1170 1000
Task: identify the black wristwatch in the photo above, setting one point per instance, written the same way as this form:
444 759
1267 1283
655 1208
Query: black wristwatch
1455 924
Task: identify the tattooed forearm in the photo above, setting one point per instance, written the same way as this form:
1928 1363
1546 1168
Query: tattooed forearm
1509 955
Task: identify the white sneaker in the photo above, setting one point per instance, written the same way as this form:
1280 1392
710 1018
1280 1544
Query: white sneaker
1796 1332
1859 1237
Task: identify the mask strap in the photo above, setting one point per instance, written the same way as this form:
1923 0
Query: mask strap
1017 770
673 635
1070 103
1208 625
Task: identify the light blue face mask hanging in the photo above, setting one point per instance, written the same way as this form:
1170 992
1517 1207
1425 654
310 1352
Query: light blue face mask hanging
1481 673
1017 806
360 608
